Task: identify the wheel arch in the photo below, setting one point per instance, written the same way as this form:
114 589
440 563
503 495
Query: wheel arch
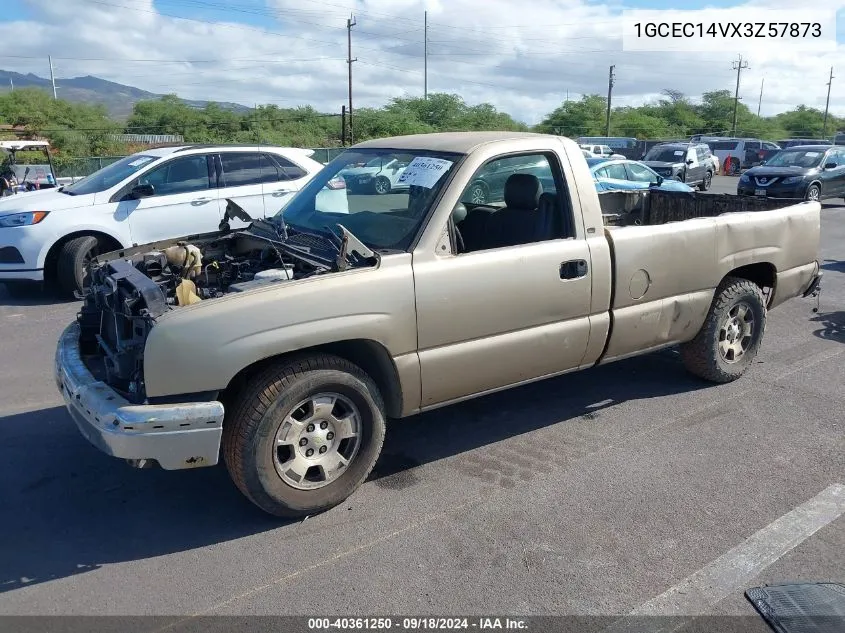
371 356
763 274
111 242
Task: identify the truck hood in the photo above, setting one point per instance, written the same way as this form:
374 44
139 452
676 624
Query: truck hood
45 200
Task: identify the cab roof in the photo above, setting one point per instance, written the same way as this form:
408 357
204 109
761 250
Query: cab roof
456 142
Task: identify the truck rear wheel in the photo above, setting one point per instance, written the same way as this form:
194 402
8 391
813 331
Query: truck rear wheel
728 341
304 435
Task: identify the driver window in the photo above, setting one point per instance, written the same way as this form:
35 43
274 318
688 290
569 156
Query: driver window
513 201
183 175
616 171
640 173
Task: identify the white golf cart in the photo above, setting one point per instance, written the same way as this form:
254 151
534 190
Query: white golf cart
22 167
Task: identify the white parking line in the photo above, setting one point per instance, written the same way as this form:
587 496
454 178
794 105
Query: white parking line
734 569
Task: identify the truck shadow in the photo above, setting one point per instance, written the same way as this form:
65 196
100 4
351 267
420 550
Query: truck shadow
33 295
69 509
833 326
834 265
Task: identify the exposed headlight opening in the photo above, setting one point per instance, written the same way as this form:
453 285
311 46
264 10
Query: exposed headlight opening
27 218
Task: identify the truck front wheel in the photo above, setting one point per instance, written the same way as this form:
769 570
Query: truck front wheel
304 435
728 341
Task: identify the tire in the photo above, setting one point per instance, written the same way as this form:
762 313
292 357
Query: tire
264 471
733 167
708 180
478 193
382 185
71 262
704 355
814 193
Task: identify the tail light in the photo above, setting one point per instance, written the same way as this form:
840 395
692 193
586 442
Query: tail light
336 183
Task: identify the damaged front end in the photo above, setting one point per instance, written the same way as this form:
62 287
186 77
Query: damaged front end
129 289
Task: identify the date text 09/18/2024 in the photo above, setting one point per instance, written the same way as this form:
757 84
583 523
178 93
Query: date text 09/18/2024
416 624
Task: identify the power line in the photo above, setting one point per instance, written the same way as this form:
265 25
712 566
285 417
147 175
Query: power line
827 102
610 82
738 66
349 24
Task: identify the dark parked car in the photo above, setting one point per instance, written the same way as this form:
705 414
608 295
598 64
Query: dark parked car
795 142
689 163
812 172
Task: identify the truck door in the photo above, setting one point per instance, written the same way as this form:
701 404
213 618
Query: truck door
513 302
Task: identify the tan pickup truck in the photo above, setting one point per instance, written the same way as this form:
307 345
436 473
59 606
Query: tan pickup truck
286 344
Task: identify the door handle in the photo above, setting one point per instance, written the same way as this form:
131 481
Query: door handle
573 269
203 199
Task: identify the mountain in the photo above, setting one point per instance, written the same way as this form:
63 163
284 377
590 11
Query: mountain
117 98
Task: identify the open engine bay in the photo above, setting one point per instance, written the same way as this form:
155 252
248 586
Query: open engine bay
130 288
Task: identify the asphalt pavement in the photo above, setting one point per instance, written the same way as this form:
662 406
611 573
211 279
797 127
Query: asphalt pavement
599 492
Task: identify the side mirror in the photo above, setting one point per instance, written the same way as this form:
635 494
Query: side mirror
659 180
763 162
690 161
830 165
142 191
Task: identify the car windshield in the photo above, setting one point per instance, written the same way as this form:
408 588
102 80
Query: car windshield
384 215
806 158
109 176
665 154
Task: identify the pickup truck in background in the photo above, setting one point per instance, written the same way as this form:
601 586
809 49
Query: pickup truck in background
288 344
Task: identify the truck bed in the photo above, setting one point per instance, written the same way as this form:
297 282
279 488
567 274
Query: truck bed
653 207
666 267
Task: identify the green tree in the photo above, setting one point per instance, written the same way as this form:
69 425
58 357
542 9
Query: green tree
585 117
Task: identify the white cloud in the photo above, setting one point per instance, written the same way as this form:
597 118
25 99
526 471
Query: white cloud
522 60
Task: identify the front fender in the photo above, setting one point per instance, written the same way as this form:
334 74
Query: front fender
204 346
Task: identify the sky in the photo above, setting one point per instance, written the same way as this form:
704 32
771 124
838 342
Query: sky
524 58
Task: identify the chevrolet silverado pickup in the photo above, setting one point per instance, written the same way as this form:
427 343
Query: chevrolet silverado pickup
286 345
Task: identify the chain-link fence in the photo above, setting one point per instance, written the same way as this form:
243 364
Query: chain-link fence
76 168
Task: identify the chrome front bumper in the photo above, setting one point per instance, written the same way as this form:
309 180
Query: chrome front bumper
177 436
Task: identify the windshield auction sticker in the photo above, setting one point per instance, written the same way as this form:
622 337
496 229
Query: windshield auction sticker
735 30
424 171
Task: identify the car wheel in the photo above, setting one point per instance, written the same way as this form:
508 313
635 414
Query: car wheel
728 341
478 193
814 193
72 261
304 435
708 180
382 185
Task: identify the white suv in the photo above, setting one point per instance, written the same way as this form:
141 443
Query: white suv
154 195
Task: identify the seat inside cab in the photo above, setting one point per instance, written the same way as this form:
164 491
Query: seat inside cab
529 215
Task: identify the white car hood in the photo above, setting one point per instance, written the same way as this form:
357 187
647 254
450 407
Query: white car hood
45 200
360 171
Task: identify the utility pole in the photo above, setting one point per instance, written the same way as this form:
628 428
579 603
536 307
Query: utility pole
738 66
827 103
12 83
349 24
52 76
610 81
760 102
343 125
425 55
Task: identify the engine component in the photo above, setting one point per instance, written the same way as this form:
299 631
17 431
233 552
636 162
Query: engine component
186 293
285 273
187 257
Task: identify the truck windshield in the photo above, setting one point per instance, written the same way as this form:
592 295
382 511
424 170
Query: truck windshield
384 210
796 158
666 155
109 176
